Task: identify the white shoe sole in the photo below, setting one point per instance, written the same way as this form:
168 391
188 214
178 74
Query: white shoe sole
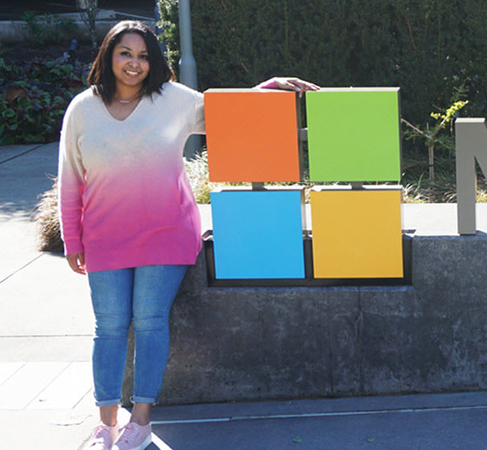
142 446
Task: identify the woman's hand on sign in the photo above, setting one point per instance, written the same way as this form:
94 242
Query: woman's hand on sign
295 84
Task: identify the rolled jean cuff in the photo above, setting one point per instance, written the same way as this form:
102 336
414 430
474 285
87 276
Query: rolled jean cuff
138 399
109 403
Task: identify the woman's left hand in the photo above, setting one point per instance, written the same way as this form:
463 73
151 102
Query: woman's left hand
77 262
295 84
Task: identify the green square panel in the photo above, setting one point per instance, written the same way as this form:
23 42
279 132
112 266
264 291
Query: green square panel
353 134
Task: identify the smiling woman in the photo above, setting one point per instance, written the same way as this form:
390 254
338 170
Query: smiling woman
129 46
137 68
130 66
128 216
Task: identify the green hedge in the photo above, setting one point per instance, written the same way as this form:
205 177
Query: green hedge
435 50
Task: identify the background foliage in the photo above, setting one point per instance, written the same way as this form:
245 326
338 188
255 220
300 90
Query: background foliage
435 50
33 98
35 91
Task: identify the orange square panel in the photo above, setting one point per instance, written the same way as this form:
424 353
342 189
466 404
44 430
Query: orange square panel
252 135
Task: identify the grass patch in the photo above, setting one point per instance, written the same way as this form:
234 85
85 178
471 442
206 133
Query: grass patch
418 188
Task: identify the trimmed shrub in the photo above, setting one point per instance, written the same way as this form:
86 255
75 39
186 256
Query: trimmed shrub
430 48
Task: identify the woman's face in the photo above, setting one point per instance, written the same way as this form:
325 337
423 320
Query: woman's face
130 62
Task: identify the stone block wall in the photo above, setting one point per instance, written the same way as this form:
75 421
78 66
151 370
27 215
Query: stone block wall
255 343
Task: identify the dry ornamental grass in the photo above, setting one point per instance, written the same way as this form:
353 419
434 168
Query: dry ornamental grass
47 220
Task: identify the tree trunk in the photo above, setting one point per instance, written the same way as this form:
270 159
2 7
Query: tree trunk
90 11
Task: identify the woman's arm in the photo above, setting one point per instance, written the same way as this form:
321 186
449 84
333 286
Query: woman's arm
70 188
286 83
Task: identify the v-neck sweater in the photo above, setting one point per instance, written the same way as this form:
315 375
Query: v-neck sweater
124 197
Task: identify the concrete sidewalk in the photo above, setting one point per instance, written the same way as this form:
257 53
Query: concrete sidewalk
45 344
45 320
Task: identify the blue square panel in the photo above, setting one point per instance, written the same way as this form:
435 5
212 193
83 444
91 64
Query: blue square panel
258 234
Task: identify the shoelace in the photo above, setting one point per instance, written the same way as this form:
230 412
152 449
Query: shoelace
101 434
129 432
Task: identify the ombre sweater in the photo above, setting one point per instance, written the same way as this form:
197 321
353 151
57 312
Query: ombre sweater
125 199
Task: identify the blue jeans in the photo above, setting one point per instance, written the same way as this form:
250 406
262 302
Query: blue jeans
143 295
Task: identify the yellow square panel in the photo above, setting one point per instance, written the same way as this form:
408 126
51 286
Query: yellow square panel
357 233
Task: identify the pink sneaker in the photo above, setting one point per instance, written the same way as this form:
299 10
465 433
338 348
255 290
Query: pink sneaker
103 437
134 437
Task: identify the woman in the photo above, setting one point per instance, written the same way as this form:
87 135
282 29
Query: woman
128 216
